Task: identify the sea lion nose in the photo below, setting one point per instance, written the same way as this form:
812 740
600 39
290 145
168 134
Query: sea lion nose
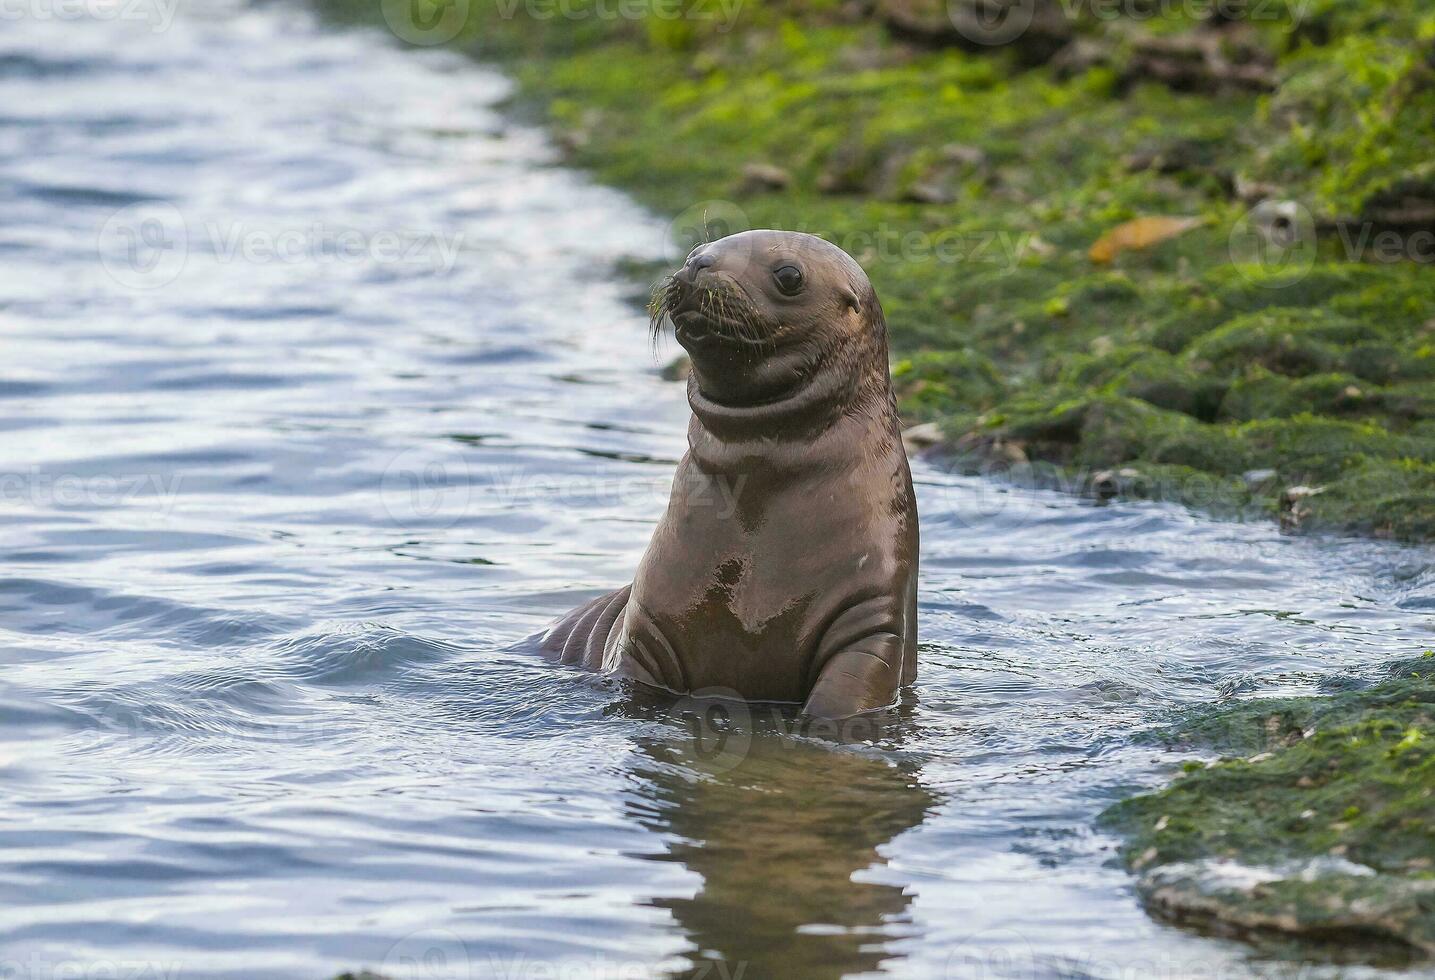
695 264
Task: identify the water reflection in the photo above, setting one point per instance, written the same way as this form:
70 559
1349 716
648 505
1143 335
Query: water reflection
784 831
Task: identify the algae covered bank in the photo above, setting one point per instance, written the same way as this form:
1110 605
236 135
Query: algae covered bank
1170 250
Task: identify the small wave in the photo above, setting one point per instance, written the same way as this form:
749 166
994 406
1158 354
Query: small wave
29 65
81 196
354 652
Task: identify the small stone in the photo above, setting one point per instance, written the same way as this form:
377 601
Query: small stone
831 182
1080 56
677 369
1163 823
922 436
1292 513
1253 191
1105 485
1037 246
929 193
757 177
1254 478
971 156
1012 452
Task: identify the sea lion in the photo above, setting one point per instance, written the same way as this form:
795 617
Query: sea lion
804 588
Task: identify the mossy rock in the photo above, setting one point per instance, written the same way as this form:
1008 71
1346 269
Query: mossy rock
1293 342
1099 370
1163 381
945 382
1323 825
1262 394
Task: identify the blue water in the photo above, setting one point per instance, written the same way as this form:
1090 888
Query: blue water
319 391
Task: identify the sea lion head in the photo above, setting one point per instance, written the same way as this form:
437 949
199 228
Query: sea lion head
762 312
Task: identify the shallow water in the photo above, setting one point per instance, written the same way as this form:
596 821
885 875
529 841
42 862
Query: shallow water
320 391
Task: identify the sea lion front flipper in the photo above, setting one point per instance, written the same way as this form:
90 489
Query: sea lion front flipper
863 676
580 637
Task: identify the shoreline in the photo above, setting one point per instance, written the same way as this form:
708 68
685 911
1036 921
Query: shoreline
1140 280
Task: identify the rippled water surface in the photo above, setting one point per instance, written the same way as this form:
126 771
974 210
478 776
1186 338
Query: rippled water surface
319 392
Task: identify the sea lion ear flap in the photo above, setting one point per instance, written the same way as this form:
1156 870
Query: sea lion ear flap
849 296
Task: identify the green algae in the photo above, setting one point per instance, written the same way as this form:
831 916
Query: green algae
1320 821
971 183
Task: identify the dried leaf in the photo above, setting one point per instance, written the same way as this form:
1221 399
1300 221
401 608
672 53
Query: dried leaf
1137 234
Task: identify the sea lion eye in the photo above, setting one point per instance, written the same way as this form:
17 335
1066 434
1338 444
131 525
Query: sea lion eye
789 279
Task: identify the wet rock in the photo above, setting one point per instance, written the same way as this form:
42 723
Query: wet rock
1330 899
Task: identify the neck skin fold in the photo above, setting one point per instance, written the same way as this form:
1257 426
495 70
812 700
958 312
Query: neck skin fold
819 394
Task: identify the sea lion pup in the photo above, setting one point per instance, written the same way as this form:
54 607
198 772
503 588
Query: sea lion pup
785 567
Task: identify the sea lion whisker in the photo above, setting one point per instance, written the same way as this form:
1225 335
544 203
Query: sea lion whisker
660 305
